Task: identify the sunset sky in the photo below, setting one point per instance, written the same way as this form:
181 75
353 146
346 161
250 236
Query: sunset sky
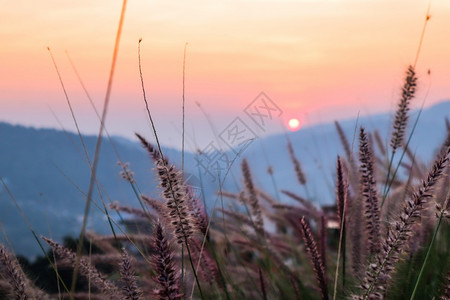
318 60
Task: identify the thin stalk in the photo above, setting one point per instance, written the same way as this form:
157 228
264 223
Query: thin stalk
182 134
441 215
272 177
182 268
107 215
214 207
78 131
182 154
427 256
419 47
341 243
275 187
193 268
98 146
163 160
134 185
387 183
388 187
343 256
222 279
69 104
422 35
35 236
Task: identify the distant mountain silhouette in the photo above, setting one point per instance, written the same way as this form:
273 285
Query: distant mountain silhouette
46 169
47 173
317 148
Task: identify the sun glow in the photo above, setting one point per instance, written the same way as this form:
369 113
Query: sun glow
294 124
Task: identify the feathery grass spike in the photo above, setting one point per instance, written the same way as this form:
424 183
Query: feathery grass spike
130 287
252 197
316 259
401 115
369 193
167 276
14 275
86 269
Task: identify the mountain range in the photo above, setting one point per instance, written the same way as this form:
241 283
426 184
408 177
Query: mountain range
46 172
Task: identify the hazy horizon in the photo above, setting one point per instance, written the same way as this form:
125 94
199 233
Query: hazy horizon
204 140
317 60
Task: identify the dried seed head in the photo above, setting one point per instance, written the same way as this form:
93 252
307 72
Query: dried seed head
316 259
14 275
86 269
401 116
297 166
368 192
130 287
167 276
174 191
126 173
341 190
252 197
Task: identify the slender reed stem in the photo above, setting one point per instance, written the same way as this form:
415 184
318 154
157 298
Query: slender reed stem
389 183
341 191
427 256
441 215
422 35
182 152
182 268
182 124
215 206
98 146
263 287
341 243
165 167
79 133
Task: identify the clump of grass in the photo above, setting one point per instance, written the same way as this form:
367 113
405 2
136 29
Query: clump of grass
400 231
243 257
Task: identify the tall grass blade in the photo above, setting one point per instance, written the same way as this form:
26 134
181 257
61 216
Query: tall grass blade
98 144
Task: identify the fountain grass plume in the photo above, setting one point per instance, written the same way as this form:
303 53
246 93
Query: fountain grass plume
316 259
174 192
167 275
369 192
127 276
401 115
86 269
252 197
297 166
14 275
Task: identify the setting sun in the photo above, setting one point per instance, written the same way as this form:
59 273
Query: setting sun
294 124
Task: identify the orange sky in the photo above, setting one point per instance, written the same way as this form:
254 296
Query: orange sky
317 59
